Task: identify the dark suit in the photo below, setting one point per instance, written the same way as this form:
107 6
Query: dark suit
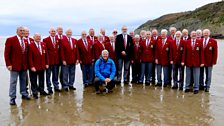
119 47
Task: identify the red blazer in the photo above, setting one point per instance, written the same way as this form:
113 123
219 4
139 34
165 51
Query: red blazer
171 37
53 51
106 39
92 41
14 55
193 57
36 59
176 53
147 53
136 52
162 53
86 55
97 49
211 52
111 50
68 54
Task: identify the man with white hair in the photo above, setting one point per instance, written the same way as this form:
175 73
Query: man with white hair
103 32
105 71
142 35
135 61
114 32
124 50
38 63
177 49
147 58
132 34
110 46
172 33
210 55
52 44
185 35
70 57
86 59
162 55
27 35
15 55
92 36
199 34
193 58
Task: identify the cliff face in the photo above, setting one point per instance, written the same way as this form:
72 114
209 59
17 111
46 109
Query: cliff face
210 16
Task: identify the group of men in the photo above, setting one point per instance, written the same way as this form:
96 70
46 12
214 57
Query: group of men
103 58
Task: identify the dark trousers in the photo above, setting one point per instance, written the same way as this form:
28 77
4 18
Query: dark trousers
54 69
68 75
126 69
178 71
87 73
135 71
153 79
146 69
99 82
201 81
33 79
170 74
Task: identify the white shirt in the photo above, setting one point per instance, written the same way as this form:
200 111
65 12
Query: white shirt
20 40
164 41
147 42
206 42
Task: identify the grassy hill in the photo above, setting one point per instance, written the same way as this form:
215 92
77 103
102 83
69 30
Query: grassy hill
209 16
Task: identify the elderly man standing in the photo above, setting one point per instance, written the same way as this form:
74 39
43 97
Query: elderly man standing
103 32
70 57
162 60
86 59
211 54
147 58
92 36
38 63
123 49
177 49
52 44
16 62
105 71
193 58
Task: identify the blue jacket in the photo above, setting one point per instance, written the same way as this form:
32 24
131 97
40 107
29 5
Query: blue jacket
104 69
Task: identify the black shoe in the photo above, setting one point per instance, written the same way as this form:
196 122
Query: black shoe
206 90
165 85
66 89
153 82
180 88
174 87
44 93
110 91
201 88
118 82
196 91
187 90
98 92
147 84
86 85
133 82
35 96
25 97
140 82
50 92
126 82
12 102
72 88
158 84
57 90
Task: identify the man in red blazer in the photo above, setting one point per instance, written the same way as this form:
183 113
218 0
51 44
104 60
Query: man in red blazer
210 55
142 35
16 62
38 63
193 58
27 35
162 56
98 47
135 60
110 46
147 58
155 37
92 36
86 59
103 32
177 49
185 35
52 45
172 33
70 57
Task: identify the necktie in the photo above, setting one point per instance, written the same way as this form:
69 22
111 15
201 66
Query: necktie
193 44
86 44
178 43
163 42
70 41
22 45
147 42
205 42
125 43
185 38
38 44
54 41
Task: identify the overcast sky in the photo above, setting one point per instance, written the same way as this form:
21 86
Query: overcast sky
40 15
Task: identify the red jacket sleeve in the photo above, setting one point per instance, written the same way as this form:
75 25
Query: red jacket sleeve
7 52
215 55
30 54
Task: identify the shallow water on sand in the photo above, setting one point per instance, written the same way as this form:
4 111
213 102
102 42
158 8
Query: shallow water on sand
127 105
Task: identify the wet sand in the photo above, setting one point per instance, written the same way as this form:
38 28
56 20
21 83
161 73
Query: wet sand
134 105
